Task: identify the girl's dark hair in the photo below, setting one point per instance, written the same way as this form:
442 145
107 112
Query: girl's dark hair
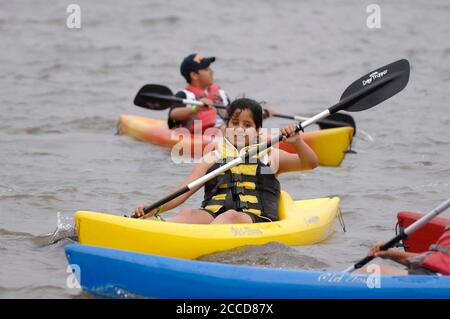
247 104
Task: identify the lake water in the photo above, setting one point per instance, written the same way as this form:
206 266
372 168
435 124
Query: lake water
62 91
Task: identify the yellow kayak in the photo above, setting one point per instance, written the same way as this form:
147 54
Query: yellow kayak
329 144
302 222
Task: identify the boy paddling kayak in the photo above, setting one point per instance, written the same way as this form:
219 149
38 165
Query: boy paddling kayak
199 77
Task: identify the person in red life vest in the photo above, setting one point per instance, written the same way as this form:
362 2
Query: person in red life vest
436 261
198 73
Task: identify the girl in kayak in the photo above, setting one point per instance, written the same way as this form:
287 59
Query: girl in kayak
436 261
248 192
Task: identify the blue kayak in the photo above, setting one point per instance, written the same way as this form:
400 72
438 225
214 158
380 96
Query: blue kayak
117 273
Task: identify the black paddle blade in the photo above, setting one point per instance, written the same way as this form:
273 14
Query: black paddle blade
154 97
337 120
374 87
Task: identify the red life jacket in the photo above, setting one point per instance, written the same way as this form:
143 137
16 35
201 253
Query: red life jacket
439 258
207 116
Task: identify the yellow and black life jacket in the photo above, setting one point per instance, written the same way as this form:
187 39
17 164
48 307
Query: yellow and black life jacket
249 187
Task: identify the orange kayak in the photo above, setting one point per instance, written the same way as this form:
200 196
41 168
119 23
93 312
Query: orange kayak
329 145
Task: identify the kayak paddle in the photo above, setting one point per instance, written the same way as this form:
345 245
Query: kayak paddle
363 94
158 97
403 234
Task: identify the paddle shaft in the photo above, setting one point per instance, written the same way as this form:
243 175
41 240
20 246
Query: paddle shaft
304 118
404 233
